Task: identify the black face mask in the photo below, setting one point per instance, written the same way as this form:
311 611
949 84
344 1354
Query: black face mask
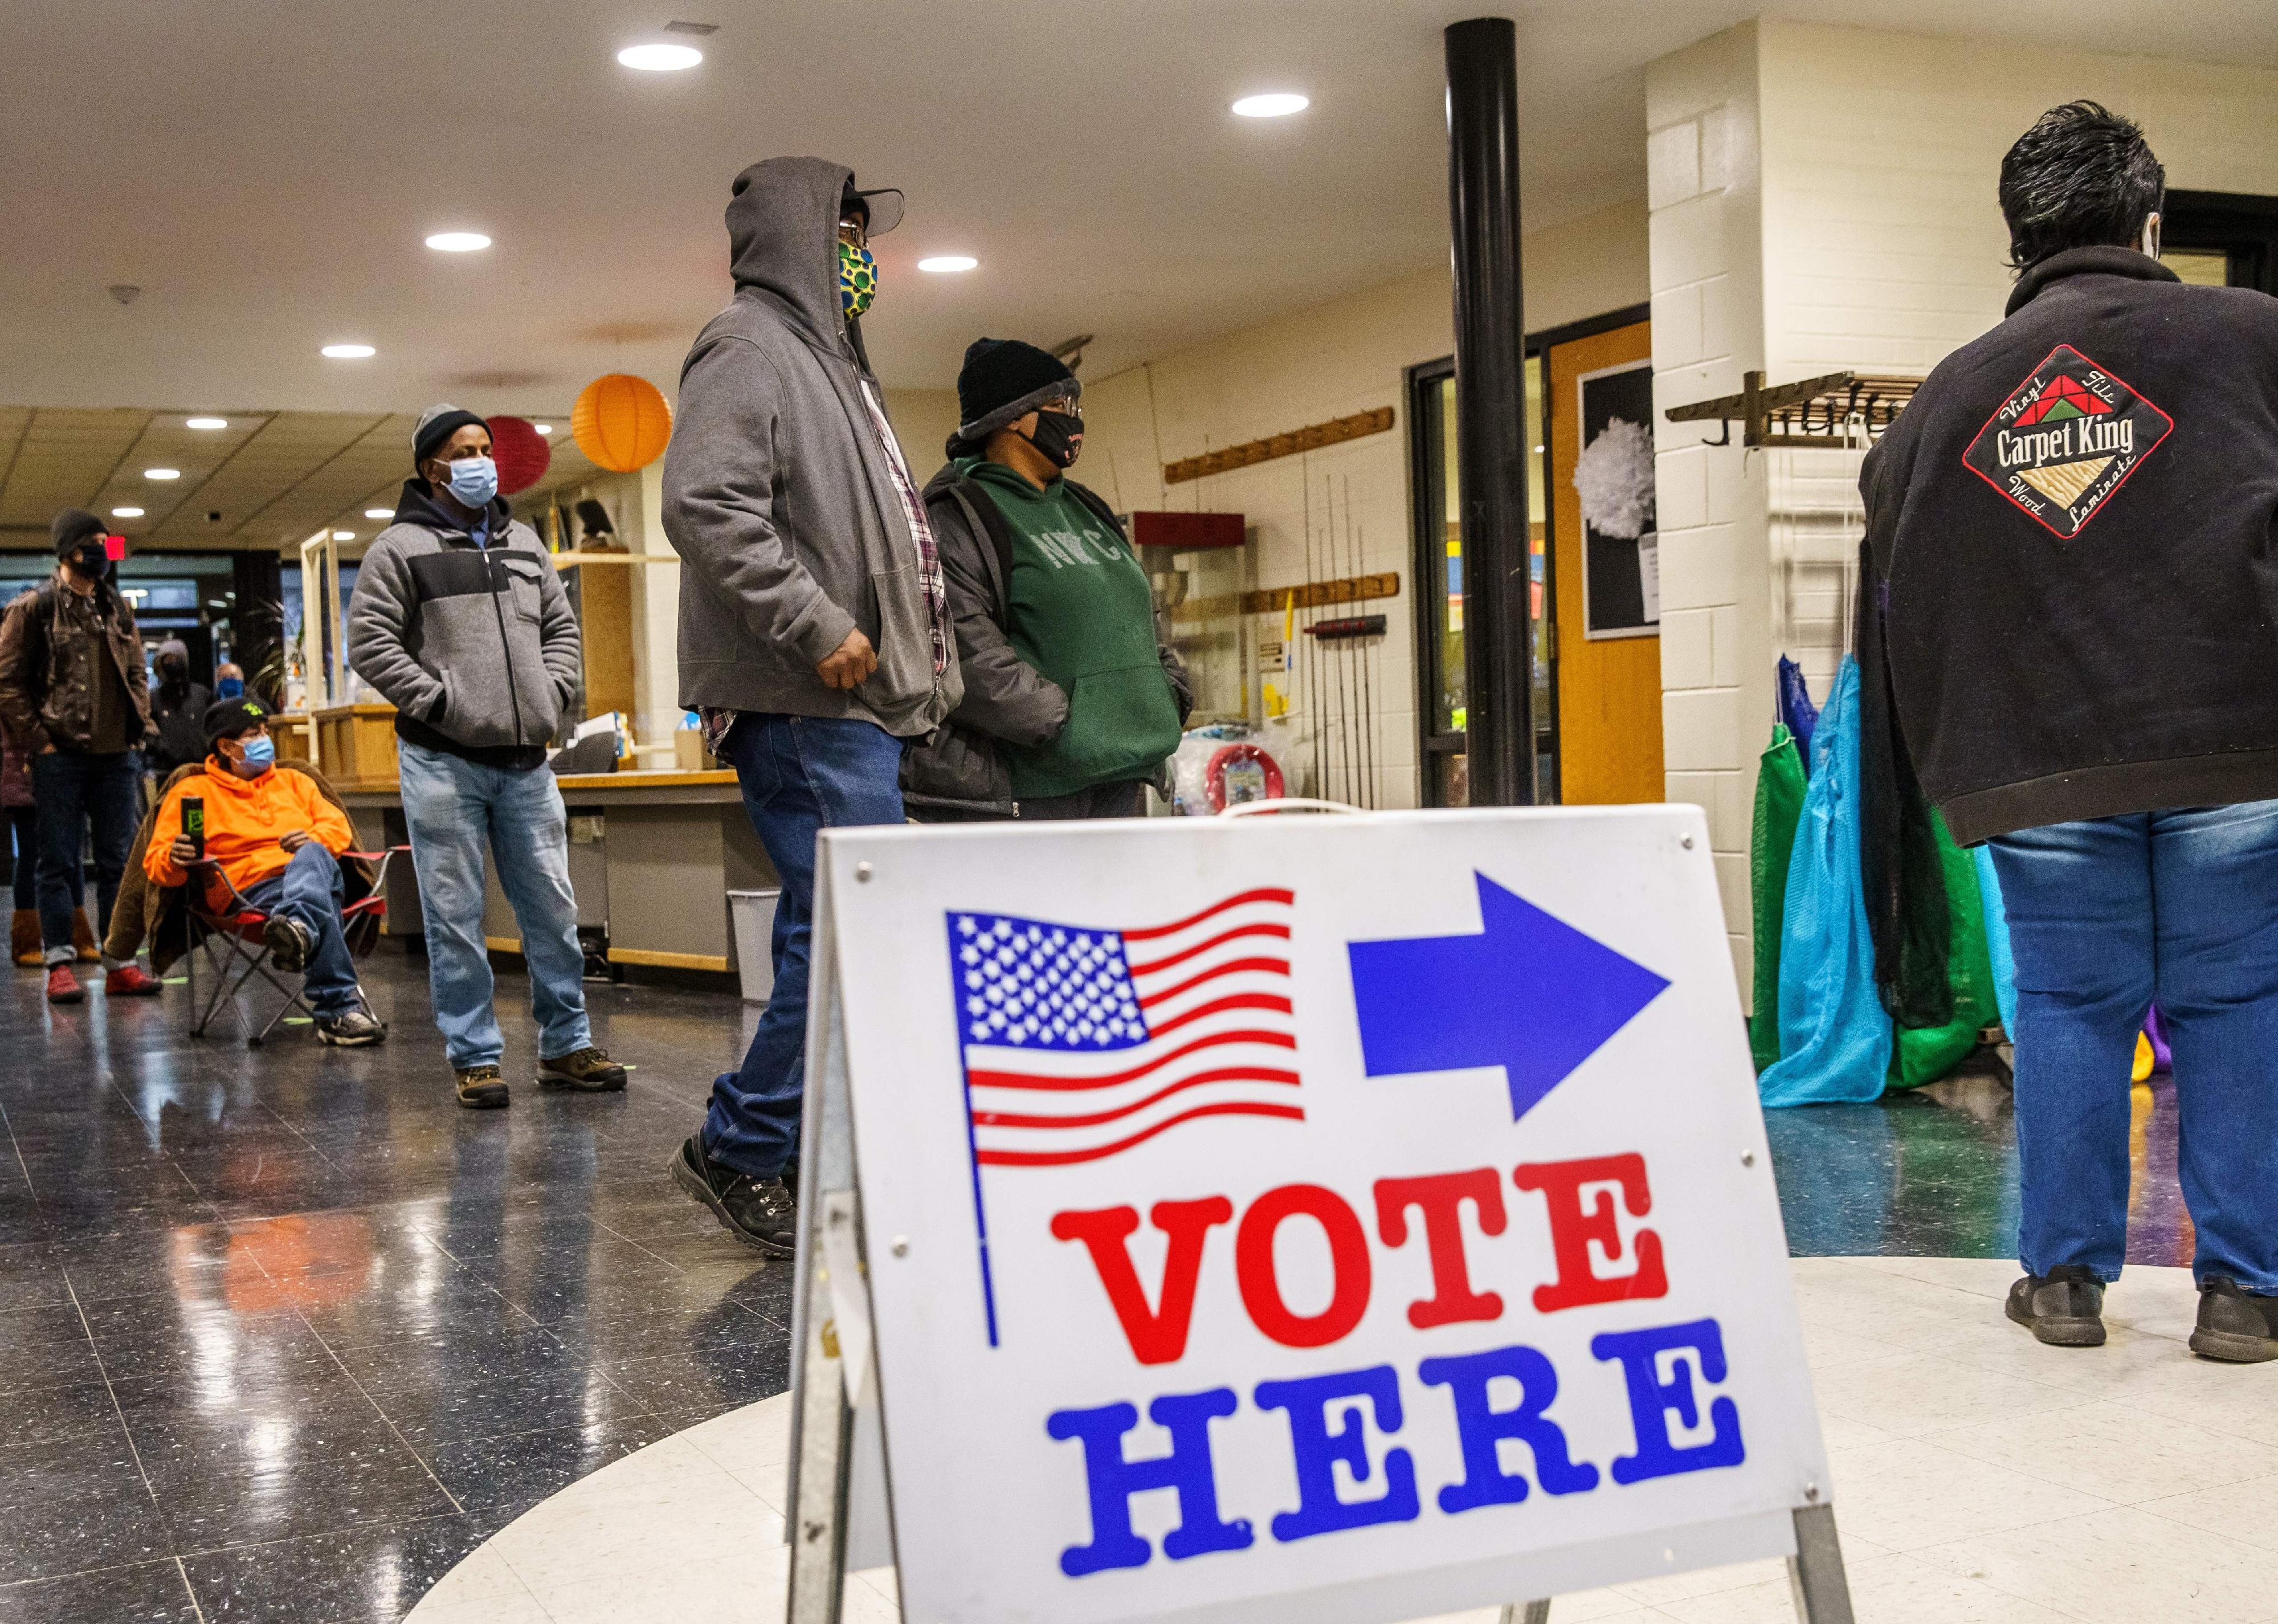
90 564
172 673
1060 436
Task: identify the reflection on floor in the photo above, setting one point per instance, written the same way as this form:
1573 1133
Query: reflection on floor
1979 1478
1933 1174
284 1333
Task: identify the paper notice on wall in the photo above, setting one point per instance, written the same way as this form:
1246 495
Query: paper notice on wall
1649 575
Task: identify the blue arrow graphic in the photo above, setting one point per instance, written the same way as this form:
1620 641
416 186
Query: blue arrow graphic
1529 994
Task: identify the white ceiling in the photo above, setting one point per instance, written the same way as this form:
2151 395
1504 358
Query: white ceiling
269 479
265 171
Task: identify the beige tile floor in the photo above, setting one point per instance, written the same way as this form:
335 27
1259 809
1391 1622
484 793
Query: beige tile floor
1980 1479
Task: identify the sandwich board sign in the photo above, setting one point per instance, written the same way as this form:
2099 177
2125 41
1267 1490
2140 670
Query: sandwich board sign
1293 1221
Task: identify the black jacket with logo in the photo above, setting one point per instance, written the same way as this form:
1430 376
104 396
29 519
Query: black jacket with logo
2070 585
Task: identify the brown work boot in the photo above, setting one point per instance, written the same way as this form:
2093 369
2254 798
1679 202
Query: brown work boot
481 1088
24 944
83 942
589 1069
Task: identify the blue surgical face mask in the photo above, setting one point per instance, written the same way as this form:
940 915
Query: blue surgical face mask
474 481
229 688
260 753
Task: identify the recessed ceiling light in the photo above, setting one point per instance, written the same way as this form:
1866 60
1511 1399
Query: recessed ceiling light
660 58
206 423
344 535
1276 105
348 352
161 474
948 262
458 241
543 428
126 513
385 513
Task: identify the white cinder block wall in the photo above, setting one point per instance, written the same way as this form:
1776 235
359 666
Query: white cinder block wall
1704 196
1794 228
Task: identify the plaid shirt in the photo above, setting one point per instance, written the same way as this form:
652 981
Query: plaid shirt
717 721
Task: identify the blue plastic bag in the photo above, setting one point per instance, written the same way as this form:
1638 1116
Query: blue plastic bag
1835 1035
1796 709
1997 940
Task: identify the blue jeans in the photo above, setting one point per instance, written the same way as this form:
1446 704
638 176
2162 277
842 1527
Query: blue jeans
454 810
2106 917
799 774
309 892
78 793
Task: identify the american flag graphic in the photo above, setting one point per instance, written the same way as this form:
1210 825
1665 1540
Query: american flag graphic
1081 1043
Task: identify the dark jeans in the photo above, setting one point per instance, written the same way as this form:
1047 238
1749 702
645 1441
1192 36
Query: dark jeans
20 830
1128 798
309 893
77 793
2107 916
799 774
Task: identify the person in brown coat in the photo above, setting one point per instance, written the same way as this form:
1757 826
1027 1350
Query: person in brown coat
74 699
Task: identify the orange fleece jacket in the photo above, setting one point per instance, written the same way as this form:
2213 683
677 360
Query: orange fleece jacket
244 817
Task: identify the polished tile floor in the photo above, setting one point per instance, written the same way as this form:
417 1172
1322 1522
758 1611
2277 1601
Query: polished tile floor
284 1333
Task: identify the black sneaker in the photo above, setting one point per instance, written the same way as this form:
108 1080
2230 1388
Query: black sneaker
2064 1307
2236 1327
588 1068
481 1088
351 1028
759 1212
289 946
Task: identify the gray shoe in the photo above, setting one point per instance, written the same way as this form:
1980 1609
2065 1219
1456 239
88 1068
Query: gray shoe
2236 1327
289 946
351 1028
2064 1307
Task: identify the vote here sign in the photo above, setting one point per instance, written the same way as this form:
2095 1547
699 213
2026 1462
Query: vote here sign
1312 1218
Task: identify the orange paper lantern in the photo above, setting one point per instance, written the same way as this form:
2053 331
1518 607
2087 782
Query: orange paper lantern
622 422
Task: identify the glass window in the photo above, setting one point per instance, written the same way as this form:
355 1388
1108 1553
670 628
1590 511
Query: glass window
1440 573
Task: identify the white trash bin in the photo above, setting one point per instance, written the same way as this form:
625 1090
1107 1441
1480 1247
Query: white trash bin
753 914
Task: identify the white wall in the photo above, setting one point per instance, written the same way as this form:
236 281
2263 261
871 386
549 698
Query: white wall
1822 198
1338 359
1704 193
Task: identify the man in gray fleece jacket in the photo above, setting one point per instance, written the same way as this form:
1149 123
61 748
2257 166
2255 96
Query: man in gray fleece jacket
814 627
461 623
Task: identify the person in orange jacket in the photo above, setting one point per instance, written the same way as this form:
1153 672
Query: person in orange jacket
275 838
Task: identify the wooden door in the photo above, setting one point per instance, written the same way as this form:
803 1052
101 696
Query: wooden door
1609 686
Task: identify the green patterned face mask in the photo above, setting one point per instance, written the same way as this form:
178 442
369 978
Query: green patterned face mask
858 278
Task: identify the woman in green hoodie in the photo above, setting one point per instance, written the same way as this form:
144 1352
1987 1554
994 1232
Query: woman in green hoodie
1072 705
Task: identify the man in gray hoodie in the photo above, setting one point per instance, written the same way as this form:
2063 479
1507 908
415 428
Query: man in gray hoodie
813 626
461 623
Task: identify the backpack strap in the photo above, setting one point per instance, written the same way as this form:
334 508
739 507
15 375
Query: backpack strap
984 519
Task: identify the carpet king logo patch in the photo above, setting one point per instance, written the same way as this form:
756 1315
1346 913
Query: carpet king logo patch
2065 440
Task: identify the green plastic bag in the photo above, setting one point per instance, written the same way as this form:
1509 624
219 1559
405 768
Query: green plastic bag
1779 805
1924 1054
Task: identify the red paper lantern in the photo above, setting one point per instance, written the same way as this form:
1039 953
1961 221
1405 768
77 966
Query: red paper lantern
521 453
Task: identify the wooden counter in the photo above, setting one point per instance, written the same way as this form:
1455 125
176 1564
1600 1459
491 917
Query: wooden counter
653 856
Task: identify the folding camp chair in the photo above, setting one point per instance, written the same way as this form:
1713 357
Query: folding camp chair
232 940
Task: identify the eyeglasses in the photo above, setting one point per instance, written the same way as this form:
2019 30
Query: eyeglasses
852 233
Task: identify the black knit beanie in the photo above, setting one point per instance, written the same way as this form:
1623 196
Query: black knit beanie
73 527
437 425
1004 378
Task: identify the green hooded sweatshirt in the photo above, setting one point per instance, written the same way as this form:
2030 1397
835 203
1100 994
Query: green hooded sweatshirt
1078 609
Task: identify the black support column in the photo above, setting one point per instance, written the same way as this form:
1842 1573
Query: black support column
1491 407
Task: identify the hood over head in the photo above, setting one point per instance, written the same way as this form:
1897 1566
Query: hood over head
782 235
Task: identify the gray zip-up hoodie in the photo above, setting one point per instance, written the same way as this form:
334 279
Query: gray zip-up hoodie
778 493
476 648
